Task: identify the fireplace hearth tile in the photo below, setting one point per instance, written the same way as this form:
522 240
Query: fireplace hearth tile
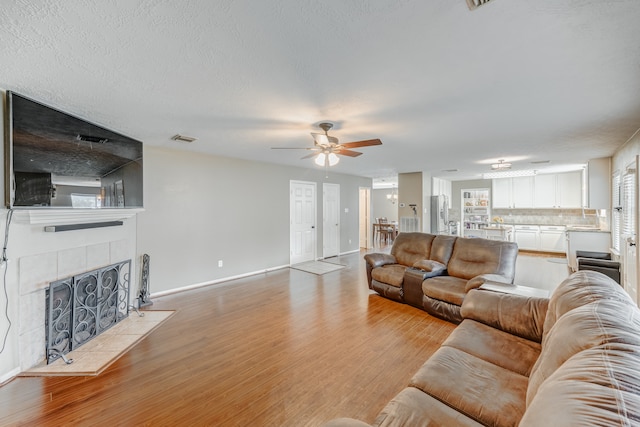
98 354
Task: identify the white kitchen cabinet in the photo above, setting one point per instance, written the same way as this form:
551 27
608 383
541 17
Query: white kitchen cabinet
545 191
570 189
553 238
513 193
558 190
501 193
527 237
522 192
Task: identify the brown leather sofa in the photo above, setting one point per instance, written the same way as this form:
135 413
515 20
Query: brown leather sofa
434 272
427 253
570 360
472 263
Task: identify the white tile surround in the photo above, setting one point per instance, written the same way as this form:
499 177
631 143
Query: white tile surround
35 272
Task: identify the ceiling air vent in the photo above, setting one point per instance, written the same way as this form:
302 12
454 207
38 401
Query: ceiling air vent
474 4
182 138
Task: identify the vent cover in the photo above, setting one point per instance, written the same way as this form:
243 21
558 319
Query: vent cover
182 138
474 4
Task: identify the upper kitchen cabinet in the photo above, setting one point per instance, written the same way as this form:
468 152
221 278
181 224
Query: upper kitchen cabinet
513 193
599 179
558 190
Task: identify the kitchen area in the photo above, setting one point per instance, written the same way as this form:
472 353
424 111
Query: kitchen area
552 213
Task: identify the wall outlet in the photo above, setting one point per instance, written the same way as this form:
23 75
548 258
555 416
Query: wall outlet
349 241
220 263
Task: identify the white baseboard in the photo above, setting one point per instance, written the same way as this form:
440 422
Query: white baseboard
221 281
350 252
9 375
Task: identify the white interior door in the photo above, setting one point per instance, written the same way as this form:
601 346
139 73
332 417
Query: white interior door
629 230
330 220
303 221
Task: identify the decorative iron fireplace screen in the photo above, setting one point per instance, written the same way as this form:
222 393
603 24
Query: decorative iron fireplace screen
81 307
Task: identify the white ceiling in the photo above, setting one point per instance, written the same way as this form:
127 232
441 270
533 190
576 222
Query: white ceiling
442 87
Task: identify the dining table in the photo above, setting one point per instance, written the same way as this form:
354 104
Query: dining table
379 227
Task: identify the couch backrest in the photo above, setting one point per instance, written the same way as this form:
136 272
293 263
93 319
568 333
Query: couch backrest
442 248
596 325
598 386
409 248
473 256
579 289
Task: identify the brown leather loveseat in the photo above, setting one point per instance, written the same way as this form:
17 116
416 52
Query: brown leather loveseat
571 360
434 272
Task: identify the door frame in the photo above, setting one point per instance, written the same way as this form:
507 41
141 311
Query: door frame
364 218
629 252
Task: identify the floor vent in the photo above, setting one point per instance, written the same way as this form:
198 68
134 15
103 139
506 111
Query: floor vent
474 4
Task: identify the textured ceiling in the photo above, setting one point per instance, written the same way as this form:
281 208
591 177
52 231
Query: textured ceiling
441 86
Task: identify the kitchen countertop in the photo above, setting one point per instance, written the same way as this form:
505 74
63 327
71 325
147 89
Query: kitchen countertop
501 228
587 230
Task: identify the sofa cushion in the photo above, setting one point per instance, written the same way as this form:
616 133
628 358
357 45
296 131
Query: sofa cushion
598 323
392 274
516 314
493 345
598 386
488 393
579 289
473 257
409 248
442 248
445 288
412 407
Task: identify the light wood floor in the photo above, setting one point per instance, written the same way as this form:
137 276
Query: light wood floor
286 348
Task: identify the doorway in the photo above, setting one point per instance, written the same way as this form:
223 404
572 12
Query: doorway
302 217
330 220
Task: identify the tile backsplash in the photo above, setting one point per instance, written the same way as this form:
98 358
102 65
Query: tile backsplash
588 217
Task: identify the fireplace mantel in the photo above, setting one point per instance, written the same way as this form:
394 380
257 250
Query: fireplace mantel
48 216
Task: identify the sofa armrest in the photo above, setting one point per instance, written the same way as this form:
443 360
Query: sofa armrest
516 314
378 260
345 422
478 281
435 268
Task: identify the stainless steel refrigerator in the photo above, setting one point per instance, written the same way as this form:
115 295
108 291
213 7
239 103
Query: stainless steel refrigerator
439 214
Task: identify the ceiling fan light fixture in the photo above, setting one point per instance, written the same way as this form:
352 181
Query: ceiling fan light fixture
326 159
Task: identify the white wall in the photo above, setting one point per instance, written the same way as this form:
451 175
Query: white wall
200 209
381 207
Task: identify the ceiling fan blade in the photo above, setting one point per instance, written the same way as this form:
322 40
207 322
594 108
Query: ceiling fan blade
349 153
308 156
295 148
363 143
